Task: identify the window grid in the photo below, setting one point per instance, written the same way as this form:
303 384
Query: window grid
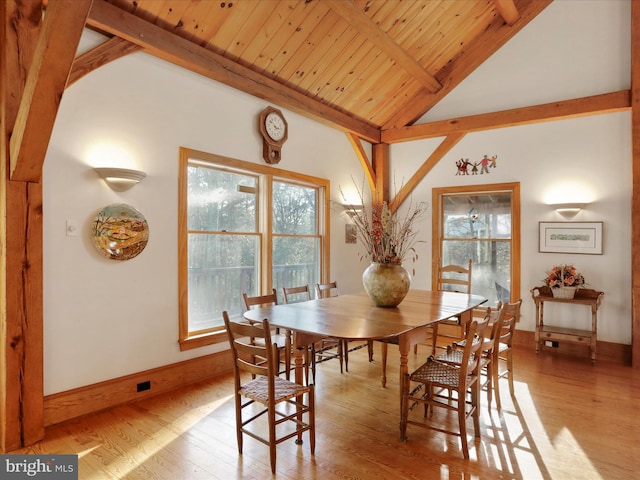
466 229
213 241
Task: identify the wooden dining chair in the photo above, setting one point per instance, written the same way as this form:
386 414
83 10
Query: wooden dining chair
455 278
303 294
503 352
281 340
435 377
331 348
282 401
324 290
454 352
296 294
496 351
331 289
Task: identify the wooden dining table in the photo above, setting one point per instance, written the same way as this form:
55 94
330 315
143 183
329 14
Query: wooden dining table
355 317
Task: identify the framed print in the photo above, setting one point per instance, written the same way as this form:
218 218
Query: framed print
570 237
350 233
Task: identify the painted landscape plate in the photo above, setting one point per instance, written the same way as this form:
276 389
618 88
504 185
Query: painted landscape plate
120 232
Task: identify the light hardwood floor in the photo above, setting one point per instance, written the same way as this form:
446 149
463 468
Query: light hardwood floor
569 420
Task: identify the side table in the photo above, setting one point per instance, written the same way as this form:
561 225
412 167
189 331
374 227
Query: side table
545 332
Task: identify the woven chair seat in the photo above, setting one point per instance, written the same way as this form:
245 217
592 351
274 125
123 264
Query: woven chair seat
258 390
454 356
437 373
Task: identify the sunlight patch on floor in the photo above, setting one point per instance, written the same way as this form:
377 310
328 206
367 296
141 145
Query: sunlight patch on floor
535 453
143 451
87 451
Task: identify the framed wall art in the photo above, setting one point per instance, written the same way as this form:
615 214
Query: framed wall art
120 232
350 233
570 237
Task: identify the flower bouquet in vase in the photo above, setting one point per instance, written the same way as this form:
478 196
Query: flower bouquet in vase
564 280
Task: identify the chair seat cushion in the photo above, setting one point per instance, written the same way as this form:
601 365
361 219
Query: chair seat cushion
258 389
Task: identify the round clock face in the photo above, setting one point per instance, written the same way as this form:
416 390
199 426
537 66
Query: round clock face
274 125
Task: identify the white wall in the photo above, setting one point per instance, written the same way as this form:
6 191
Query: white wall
105 319
592 155
572 49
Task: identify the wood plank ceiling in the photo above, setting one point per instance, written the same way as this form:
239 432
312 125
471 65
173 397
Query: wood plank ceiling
363 66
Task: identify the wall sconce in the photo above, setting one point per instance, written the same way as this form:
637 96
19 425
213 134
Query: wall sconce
352 209
568 207
120 179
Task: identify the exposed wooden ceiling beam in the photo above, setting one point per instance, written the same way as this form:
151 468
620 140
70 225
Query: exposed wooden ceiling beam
442 149
58 40
493 38
579 107
361 21
181 52
635 194
364 161
104 53
507 10
380 162
21 376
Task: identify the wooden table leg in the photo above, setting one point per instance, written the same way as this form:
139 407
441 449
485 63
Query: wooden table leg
465 320
405 346
299 346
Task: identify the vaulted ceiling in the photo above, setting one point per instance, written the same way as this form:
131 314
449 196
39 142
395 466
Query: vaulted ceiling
370 68
363 66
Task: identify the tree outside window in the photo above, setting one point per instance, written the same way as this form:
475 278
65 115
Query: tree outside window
243 227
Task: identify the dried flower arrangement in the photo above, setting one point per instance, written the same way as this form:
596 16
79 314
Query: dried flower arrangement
386 236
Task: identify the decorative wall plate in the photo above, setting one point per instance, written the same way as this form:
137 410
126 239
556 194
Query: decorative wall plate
120 232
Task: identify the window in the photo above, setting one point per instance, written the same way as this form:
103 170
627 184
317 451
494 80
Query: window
243 227
296 242
481 223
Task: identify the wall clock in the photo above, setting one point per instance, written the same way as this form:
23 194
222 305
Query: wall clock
274 130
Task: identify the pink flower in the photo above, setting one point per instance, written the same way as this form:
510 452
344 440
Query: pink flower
564 276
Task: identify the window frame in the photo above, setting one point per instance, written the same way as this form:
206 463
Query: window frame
316 236
437 227
266 175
